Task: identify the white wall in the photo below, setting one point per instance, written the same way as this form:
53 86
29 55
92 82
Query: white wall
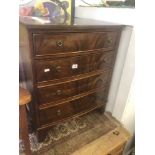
79 2
120 99
126 75
119 15
117 73
128 117
92 2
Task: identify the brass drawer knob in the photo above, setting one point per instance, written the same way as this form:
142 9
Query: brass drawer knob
58 92
58 112
109 40
59 43
116 133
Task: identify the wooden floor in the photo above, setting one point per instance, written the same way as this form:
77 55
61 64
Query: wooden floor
109 144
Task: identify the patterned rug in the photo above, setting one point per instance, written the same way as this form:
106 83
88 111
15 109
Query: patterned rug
67 137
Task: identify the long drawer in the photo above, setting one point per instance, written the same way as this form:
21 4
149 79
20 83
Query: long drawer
51 44
59 91
68 109
72 66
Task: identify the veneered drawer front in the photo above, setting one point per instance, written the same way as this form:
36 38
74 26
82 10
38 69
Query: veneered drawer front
117 151
55 92
71 108
73 66
49 44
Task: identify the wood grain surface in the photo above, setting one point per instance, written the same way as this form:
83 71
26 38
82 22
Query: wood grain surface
67 68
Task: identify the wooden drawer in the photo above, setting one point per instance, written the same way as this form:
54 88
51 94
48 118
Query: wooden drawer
117 151
59 91
68 109
51 44
68 67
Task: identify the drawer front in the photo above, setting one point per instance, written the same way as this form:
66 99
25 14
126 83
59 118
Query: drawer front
71 108
60 91
49 44
120 152
117 151
69 67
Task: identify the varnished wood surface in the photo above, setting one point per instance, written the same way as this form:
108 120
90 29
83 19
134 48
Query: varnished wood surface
70 108
61 68
50 44
70 79
24 96
23 128
72 98
61 91
108 144
48 71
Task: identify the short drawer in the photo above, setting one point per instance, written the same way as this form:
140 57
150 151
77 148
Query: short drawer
73 66
51 44
117 151
71 108
55 92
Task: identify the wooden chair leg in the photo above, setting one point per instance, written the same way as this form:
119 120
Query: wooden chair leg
24 127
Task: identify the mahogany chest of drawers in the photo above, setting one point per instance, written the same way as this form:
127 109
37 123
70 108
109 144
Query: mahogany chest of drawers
67 68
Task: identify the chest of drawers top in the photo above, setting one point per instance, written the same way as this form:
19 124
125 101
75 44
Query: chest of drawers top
61 39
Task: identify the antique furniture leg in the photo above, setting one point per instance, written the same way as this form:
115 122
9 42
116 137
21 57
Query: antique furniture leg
24 99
